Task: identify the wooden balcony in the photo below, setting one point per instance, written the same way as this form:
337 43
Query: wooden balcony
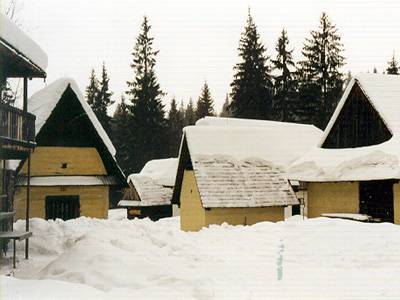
17 132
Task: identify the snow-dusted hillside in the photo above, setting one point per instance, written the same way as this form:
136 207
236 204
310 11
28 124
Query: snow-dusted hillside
139 259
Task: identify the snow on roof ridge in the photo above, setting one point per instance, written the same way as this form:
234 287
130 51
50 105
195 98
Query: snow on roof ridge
43 102
382 91
227 121
20 41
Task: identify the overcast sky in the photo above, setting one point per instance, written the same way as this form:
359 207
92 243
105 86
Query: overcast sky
197 40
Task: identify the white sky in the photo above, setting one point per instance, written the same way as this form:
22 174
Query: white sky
197 40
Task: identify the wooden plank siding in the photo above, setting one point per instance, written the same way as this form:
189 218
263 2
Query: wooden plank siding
357 125
65 161
93 200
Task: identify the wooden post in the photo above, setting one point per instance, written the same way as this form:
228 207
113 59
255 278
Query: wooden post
25 95
28 186
14 253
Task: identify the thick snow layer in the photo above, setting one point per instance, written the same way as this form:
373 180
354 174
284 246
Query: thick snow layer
163 171
15 37
154 184
375 162
278 144
43 102
150 191
139 259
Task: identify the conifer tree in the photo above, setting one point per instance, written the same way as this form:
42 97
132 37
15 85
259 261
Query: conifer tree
190 114
120 132
375 70
104 100
321 81
285 86
148 124
175 125
393 66
225 111
205 104
252 86
92 90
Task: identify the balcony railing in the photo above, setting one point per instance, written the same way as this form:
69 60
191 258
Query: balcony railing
16 127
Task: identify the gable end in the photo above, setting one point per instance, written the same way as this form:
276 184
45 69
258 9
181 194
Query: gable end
358 124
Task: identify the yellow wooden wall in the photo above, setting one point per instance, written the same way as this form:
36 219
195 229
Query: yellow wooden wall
396 203
94 200
192 212
47 161
332 197
194 216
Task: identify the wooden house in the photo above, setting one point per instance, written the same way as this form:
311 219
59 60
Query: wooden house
234 171
20 57
73 166
150 191
355 168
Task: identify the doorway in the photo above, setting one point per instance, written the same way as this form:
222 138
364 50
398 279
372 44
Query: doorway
62 207
376 199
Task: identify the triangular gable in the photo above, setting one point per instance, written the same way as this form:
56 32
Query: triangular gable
356 121
63 118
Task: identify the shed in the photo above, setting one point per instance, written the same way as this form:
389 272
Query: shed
150 192
234 171
73 166
355 167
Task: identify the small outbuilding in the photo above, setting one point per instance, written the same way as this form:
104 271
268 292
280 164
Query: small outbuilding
355 167
234 170
73 166
150 192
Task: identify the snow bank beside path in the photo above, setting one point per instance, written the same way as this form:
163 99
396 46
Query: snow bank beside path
125 259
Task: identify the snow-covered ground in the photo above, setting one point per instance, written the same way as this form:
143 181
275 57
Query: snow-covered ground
139 259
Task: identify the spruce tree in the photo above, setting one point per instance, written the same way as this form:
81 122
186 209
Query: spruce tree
148 125
175 125
92 90
205 104
225 111
252 86
393 66
285 86
104 100
121 132
190 114
321 81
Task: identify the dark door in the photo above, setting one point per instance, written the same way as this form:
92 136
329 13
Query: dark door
62 207
376 199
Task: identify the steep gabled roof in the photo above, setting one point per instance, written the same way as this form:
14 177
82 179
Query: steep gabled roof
45 102
381 161
243 166
20 55
383 92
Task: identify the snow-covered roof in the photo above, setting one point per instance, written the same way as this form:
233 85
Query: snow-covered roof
150 192
43 102
276 142
155 182
163 171
242 163
21 43
374 162
67 181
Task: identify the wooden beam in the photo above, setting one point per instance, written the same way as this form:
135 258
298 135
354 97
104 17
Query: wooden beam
28 187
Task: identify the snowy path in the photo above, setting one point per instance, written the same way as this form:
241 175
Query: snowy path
122 259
